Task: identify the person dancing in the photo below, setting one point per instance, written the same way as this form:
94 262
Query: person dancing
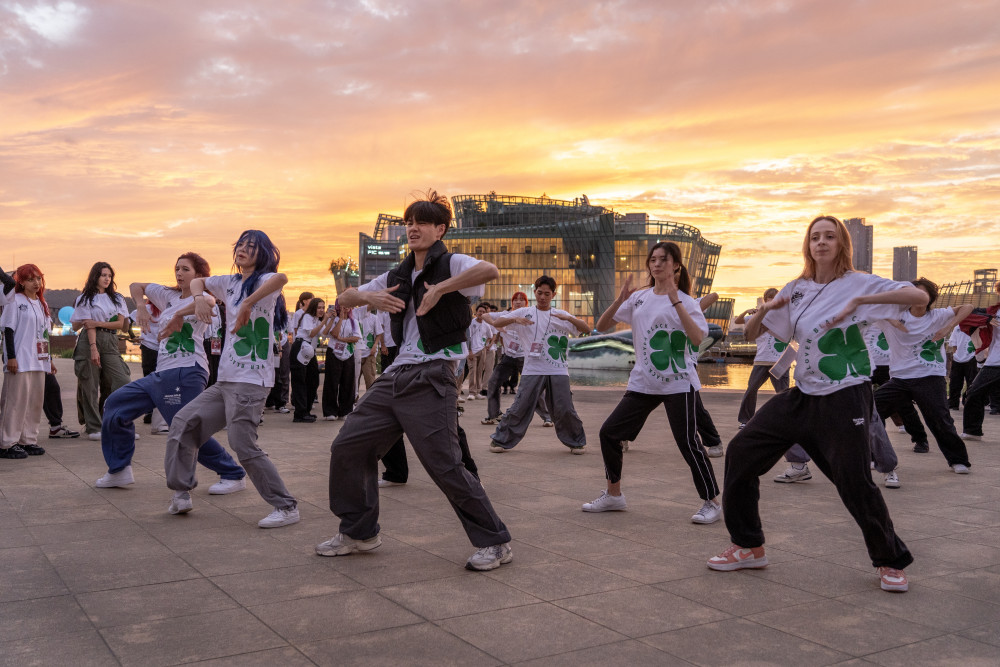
180 374
829 411
668 326
254 306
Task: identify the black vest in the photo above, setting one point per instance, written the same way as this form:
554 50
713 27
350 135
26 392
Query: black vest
448 320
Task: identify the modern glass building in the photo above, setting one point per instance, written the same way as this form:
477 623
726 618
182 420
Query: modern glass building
980 291
589 250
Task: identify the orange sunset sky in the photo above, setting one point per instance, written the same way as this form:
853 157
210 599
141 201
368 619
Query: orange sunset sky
133 131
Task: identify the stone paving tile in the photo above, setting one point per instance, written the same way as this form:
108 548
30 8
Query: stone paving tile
80 649
739 641
524 633
285 657
154 602
84 576
829 581
412 645
648 566
929 606
336 615
470 593
630 652
844 627
28 574
641 611
981 584
42 618
940 651
738 593
286 583
190 638
987 634
552 581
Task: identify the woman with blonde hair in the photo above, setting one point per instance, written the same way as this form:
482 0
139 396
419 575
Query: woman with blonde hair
828 412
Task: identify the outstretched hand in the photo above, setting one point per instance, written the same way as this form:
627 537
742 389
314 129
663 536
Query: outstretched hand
626 290
851 306
171 326
384 300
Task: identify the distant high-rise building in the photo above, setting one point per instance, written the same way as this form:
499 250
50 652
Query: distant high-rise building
904 263
862 236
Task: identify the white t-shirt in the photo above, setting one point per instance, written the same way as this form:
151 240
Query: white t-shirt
830 359
31 333
184 348
769 349
102 309
993 358
411 349
306 324
877 345
912 354
511 341
384 328
6 298
367 330
348 328
246 355
965 349
544 342
665 359
149 340
479 333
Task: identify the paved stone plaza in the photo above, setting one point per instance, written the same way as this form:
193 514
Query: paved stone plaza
105 576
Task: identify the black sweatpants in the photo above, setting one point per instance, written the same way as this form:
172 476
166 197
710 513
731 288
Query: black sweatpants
52 401
929 395
833 429
706 427
305 381
338 386
627 419
986 382
760 374
904 411
960 379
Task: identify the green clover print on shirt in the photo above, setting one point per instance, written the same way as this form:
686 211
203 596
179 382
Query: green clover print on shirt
557 347
669 346
846 353
972 347
181 340
931 351
779 345
254 340
882 343
370 340
448 351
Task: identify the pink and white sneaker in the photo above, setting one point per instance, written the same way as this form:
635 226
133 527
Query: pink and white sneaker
738 558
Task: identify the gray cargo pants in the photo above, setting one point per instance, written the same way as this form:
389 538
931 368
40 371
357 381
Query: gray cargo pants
419 400
559 400
237 405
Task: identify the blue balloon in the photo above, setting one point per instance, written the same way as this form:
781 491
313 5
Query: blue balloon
65 313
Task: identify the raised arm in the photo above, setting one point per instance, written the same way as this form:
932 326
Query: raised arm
961 312
904 296
607 318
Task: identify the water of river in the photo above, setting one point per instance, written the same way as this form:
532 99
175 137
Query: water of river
719 375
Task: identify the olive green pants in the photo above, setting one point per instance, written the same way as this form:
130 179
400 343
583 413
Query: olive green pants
94 384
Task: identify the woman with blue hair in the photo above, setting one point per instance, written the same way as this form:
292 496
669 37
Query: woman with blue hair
253 300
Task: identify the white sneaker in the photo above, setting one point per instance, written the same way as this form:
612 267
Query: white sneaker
625 445
578 450
470 397
279 518
902 429
282 410
384 482
969 436
793 474
548 423
490 558
181 503
960 469
606 503
342 545
330 418
226 486
163 430
710 512
891 480
461 399
97 436
122 478
714 452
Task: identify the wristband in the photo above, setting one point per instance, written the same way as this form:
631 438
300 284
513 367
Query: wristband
674 304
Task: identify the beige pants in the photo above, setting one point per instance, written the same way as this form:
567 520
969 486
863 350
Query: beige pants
93 383
22 410
368 371
487 359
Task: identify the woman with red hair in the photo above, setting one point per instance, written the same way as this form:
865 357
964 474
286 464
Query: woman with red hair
26 324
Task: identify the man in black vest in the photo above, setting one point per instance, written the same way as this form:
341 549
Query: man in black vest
427 298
